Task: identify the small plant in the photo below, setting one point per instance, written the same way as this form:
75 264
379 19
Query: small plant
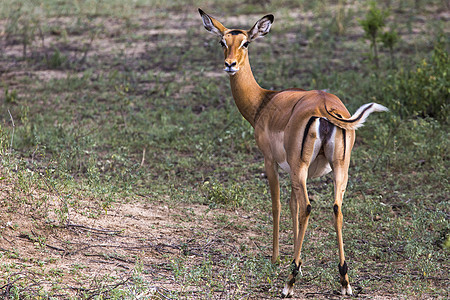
341 18
446 244
390 39
10 96
57 60
3 142
373 23
220 195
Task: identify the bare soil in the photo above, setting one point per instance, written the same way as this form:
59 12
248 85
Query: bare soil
94 244
96 250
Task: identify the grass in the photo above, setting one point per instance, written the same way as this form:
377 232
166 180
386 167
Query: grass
130 173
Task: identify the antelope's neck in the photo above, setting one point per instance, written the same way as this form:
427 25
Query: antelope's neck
247 93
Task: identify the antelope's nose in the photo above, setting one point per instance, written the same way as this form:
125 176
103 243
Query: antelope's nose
230 65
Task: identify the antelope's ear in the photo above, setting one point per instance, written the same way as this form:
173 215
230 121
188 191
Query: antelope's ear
211 24
261 28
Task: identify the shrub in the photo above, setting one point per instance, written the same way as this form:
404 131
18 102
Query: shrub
423 91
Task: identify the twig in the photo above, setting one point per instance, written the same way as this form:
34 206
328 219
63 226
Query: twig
324 294
437 278
118 247
88 47
110 262
143 158
104 231
112 256
12 136
259 248
12 243
310 279
55 248
45 244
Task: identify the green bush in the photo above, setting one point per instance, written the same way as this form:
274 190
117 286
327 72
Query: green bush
423 91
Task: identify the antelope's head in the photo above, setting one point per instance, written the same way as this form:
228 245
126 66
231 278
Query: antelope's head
235 42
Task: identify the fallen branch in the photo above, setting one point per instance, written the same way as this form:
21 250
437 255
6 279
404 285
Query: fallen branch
113 256
110 262
26 236
96 230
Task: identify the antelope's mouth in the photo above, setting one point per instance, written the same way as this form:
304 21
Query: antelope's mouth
231 70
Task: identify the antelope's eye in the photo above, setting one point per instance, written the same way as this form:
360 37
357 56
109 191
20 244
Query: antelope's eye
222 43
245 45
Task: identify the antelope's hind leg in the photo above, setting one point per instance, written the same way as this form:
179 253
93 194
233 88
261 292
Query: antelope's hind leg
340 161
299 203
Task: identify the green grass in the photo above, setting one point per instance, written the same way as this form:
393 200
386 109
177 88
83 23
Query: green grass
122 110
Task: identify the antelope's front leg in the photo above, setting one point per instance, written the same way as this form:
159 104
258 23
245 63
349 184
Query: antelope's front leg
272 177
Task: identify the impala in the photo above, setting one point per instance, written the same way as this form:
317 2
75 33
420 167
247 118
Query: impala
306 133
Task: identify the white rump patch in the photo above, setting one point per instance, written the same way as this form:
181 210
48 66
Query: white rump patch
318 141
329 149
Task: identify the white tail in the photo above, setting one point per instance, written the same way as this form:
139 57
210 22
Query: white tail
358 118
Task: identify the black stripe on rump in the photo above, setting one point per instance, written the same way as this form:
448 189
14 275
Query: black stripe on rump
305 134
344 133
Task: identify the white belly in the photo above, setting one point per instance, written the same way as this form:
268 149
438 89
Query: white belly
285 166
319 167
